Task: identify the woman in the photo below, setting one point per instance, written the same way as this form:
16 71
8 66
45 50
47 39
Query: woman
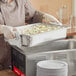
20 12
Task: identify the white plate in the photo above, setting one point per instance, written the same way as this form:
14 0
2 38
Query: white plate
52 64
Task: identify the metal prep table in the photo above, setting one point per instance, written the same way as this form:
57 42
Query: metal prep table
25 58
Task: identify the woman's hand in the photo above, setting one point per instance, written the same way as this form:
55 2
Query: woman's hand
8 32
47 18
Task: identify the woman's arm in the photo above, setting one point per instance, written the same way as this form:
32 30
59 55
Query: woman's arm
33 16
29 11
44 18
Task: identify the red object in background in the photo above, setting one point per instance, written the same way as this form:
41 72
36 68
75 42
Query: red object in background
17 71
71 34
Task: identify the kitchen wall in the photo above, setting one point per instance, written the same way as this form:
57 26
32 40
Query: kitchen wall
53 7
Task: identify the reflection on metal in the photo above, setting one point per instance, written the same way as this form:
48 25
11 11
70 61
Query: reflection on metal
74 14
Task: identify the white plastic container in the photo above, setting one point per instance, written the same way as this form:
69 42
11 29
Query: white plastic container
33 40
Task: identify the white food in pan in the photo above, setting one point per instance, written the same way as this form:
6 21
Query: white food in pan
39 29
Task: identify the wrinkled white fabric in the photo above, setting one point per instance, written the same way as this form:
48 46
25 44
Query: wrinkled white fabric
13 14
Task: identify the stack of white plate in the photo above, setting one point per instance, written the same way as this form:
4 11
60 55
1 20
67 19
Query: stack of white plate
52 68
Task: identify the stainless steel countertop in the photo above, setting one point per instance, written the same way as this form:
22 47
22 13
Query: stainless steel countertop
48 46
